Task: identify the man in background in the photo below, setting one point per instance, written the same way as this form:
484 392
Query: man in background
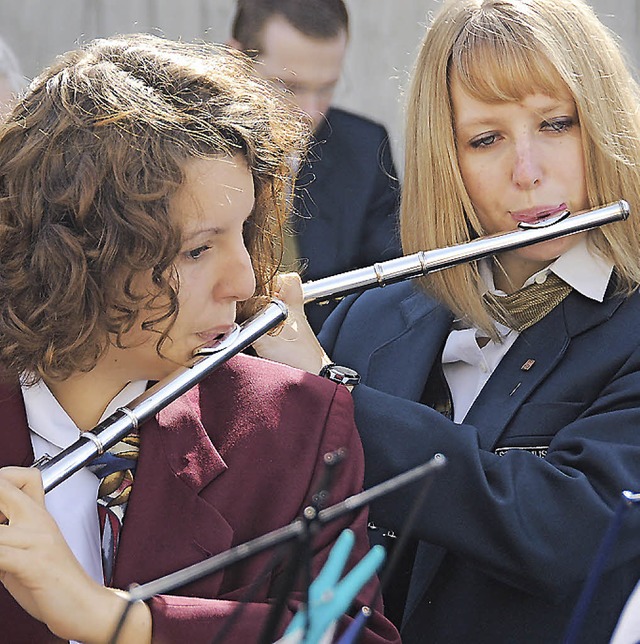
347 191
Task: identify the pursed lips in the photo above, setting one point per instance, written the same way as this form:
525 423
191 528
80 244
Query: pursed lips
533 215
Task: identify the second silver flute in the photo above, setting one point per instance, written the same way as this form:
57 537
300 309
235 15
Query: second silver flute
424 262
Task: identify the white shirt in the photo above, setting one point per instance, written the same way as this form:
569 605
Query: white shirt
72 503
467 366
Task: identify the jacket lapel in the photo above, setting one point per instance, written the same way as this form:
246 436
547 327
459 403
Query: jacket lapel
16 446
543 345
168 524
511 384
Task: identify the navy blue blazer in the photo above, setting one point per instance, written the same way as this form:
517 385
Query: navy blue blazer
346 201
510 528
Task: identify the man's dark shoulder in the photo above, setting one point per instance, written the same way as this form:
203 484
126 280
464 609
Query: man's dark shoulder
343 117
355 147
343 123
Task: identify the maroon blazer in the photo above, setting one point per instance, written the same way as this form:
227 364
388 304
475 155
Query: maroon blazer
235 457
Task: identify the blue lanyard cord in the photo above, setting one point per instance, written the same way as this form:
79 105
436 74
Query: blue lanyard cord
628 500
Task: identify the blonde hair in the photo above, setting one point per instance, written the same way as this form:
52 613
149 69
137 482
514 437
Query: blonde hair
502 50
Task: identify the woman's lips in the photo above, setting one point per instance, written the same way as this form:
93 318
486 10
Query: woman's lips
534 215
214 336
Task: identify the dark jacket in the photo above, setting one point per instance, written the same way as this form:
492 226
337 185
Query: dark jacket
511 526
346 201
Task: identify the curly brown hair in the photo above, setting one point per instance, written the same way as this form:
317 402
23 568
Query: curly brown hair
89 161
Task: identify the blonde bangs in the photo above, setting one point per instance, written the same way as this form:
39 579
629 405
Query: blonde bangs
498 64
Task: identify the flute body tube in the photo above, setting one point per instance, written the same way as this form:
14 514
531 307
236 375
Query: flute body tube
127 419
424 262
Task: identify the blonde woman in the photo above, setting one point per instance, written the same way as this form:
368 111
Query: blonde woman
523 370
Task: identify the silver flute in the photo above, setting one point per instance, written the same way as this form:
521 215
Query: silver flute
126 419
424 262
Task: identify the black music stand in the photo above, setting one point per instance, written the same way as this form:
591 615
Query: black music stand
287 533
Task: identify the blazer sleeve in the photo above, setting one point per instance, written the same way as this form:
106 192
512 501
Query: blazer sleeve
195 620
532 523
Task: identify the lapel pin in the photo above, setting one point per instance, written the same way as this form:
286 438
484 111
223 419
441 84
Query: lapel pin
527 365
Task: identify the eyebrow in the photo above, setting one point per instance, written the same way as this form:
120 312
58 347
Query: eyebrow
192 234
188 235
472 122
558 104
542 111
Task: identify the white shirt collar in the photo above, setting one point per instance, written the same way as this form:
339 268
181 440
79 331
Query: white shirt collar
585 270
49 420
580 267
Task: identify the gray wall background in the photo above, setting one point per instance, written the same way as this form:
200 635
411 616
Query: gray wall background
384 38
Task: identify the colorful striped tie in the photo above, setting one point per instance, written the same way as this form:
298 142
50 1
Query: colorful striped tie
115 468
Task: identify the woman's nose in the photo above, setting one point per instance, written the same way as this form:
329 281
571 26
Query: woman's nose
527 170
237 280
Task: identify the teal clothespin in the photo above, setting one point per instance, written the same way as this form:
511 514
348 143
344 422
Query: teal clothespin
330 596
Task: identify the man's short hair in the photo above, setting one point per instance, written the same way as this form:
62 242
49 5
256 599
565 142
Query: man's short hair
320 19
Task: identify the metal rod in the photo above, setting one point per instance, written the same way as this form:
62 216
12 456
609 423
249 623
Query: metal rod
279 536
126 419
424 262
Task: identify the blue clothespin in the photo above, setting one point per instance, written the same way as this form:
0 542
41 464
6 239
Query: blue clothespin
330 596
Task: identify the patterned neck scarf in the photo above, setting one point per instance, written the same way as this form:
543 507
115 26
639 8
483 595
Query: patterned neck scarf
530 304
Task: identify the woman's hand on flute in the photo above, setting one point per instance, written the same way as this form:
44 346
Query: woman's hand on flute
39 570
295 343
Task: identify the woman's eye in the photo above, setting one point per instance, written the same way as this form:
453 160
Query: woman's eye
559 124
197 252
484 141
